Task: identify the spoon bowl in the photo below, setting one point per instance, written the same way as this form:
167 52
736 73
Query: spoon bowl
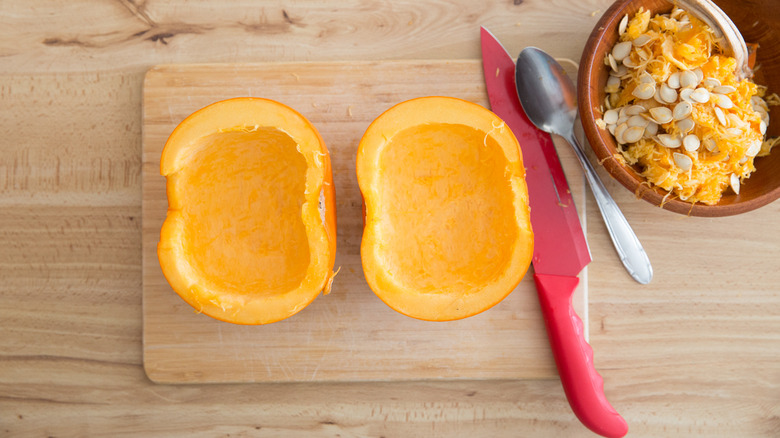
547 85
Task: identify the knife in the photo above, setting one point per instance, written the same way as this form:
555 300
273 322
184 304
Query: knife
560 248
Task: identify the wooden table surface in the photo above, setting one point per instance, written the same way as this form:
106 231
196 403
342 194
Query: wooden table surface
696 353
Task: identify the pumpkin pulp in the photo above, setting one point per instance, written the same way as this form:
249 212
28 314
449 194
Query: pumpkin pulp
263 223
249 236
454 208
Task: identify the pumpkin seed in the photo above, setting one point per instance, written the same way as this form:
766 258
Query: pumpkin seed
711 145
633 133
688 79
734 120
614 98
610 117
657 97
758 102
667 94
630 63
734 182
764 114
661 114
760 110
674 80
637 121
682 110
721 116
613 84
651 129
682 161
619 131
691 142
685 125
723 101
633 110
711 82
762 127
621 70
646 78
754 149
701 95
685 94
644 91
612 62
623 24
699 75
723 89
669 141
641 40
621 50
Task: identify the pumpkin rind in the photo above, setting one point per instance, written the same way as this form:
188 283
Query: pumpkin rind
250 232
447 230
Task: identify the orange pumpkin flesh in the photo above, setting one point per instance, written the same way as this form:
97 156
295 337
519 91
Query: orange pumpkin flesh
447 226
250 234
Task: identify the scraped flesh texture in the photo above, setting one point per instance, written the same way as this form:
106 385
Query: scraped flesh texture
242 212
447 209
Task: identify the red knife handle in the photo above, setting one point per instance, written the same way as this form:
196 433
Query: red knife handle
583 386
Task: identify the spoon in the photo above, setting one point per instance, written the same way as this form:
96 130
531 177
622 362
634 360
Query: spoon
724 29
548 98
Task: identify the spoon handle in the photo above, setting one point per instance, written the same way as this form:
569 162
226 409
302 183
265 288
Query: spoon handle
626 243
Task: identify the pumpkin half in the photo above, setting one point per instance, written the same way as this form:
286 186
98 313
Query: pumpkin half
250 234
447 229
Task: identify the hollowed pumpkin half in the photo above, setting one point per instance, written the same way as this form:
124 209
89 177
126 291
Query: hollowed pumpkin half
250 233
447 229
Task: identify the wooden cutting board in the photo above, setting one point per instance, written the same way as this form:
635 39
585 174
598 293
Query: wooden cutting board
348 335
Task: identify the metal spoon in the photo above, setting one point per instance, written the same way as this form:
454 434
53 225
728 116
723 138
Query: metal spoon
724 29
550 102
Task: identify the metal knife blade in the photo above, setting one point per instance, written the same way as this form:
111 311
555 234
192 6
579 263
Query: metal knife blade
560 248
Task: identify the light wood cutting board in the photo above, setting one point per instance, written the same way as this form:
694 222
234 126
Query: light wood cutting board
348 335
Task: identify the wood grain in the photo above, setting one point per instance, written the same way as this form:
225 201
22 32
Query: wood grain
131 34
349 334
694 354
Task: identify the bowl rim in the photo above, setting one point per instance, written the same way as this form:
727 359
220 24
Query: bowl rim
604 146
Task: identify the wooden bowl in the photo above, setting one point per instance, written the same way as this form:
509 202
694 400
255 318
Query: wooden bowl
759 22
